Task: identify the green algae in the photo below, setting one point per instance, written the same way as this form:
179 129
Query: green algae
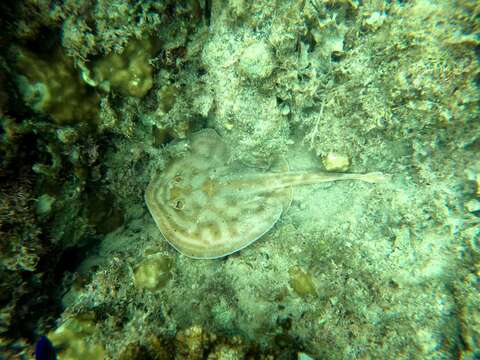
301 282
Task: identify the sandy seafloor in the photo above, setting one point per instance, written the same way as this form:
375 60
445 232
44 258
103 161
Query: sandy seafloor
98 97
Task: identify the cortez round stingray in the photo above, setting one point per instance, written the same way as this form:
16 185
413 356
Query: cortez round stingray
207 207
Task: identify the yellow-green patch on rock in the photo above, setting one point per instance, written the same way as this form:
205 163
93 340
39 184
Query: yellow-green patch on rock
301 282
153 273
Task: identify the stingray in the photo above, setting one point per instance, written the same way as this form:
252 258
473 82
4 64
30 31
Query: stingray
207 206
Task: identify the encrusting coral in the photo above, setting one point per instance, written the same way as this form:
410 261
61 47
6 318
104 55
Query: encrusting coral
51 86
129 72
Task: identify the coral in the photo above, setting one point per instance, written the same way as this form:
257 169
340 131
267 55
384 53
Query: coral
66 150
11 136
31 19
329 77
192 342
23 252
9 281
134 351
470 314
50 85
20 246
102 213
99 28
4 96
153 272
72 340
129 72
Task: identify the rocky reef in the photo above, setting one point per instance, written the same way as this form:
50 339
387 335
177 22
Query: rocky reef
98 96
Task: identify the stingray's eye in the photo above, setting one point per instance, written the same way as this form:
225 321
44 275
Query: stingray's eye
177 178
178 204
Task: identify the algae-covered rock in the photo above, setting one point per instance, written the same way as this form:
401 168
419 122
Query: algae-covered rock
256 61
336 162
301 282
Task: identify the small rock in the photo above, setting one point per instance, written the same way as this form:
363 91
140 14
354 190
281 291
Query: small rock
256 61
336 162
303 356
375 20
472 205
